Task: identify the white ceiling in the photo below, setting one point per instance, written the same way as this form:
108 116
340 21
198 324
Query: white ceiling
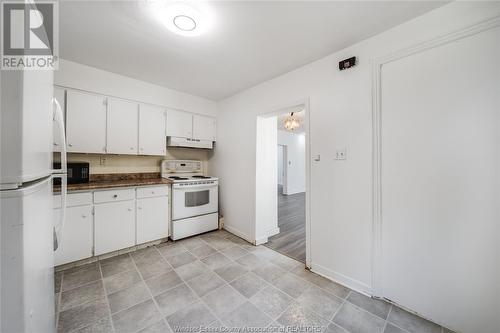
251 42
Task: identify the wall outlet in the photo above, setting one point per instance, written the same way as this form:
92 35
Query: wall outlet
341 154
102 160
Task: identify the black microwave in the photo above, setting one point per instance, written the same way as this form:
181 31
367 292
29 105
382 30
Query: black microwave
78 172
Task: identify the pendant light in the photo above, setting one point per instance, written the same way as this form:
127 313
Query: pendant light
291 122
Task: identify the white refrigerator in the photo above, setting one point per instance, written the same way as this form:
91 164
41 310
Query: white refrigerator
27 231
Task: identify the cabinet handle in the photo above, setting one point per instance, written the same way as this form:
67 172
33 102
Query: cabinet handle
131 148
115 196
56 144
84 216
130 209
70 145
152 192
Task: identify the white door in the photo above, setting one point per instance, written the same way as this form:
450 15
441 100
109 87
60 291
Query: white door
440 182
152 219
152 139
27 258
25 126
77 240
179 124
122 127
114 226
203 128
59 96
85 122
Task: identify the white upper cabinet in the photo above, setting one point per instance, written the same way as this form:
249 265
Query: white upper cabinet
152 139
85 122
122 127
203 128
59 96
179 124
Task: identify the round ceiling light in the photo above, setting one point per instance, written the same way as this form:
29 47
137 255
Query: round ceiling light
184 17
184 23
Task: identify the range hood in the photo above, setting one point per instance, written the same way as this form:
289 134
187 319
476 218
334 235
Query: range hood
173 141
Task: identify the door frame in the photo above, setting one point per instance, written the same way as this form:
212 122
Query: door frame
284 158
307 128
377 64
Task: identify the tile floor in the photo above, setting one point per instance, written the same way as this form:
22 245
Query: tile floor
216 282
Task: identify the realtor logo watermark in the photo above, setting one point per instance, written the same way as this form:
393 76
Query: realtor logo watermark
30 38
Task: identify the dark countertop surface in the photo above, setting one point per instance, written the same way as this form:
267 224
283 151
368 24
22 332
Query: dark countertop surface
102 181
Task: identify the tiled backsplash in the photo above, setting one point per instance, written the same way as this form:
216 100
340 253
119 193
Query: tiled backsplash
109 163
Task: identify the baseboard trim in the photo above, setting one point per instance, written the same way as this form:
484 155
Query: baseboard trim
269 233
238 233
342 279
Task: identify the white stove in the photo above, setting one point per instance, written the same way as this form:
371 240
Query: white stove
195 202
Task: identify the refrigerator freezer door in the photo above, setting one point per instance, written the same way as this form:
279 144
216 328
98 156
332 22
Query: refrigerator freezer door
26 126
27 259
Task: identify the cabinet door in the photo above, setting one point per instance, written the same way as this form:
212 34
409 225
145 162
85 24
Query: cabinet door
76 237
179 124
85 122
152 140
122 127
152 219
114 226
203 128
59 96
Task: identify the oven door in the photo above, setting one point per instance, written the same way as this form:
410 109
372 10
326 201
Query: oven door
188 201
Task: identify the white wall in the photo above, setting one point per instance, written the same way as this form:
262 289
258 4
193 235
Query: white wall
296 161
340 116
266 200
74 75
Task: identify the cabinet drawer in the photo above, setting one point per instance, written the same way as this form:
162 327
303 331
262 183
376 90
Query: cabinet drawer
114 195
74 199
152 191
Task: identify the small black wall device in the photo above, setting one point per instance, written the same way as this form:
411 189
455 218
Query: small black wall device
347 63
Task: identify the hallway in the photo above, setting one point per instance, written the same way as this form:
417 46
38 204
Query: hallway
291 241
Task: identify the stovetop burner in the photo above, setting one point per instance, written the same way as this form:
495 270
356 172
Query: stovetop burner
177 178
202 177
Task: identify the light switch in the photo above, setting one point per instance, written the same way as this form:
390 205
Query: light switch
341 154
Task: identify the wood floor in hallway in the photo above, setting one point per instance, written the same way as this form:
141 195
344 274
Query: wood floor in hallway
291 241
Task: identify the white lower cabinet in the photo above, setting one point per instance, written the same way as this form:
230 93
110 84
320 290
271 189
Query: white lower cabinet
152 219
109 220
114 226
77 235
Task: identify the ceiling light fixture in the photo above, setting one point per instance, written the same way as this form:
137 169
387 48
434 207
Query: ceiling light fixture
184 17
291 122
185 23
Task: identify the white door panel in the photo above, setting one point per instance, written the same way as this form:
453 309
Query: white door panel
152 139
440 174
114 226
179 124
203 128
122 127
77 236
85 122
152 219
26 125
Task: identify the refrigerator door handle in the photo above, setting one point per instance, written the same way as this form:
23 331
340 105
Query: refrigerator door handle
61 173
59 119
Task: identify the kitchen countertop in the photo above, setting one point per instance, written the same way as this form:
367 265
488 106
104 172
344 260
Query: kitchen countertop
103 181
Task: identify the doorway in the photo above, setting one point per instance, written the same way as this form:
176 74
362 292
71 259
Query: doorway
289 165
